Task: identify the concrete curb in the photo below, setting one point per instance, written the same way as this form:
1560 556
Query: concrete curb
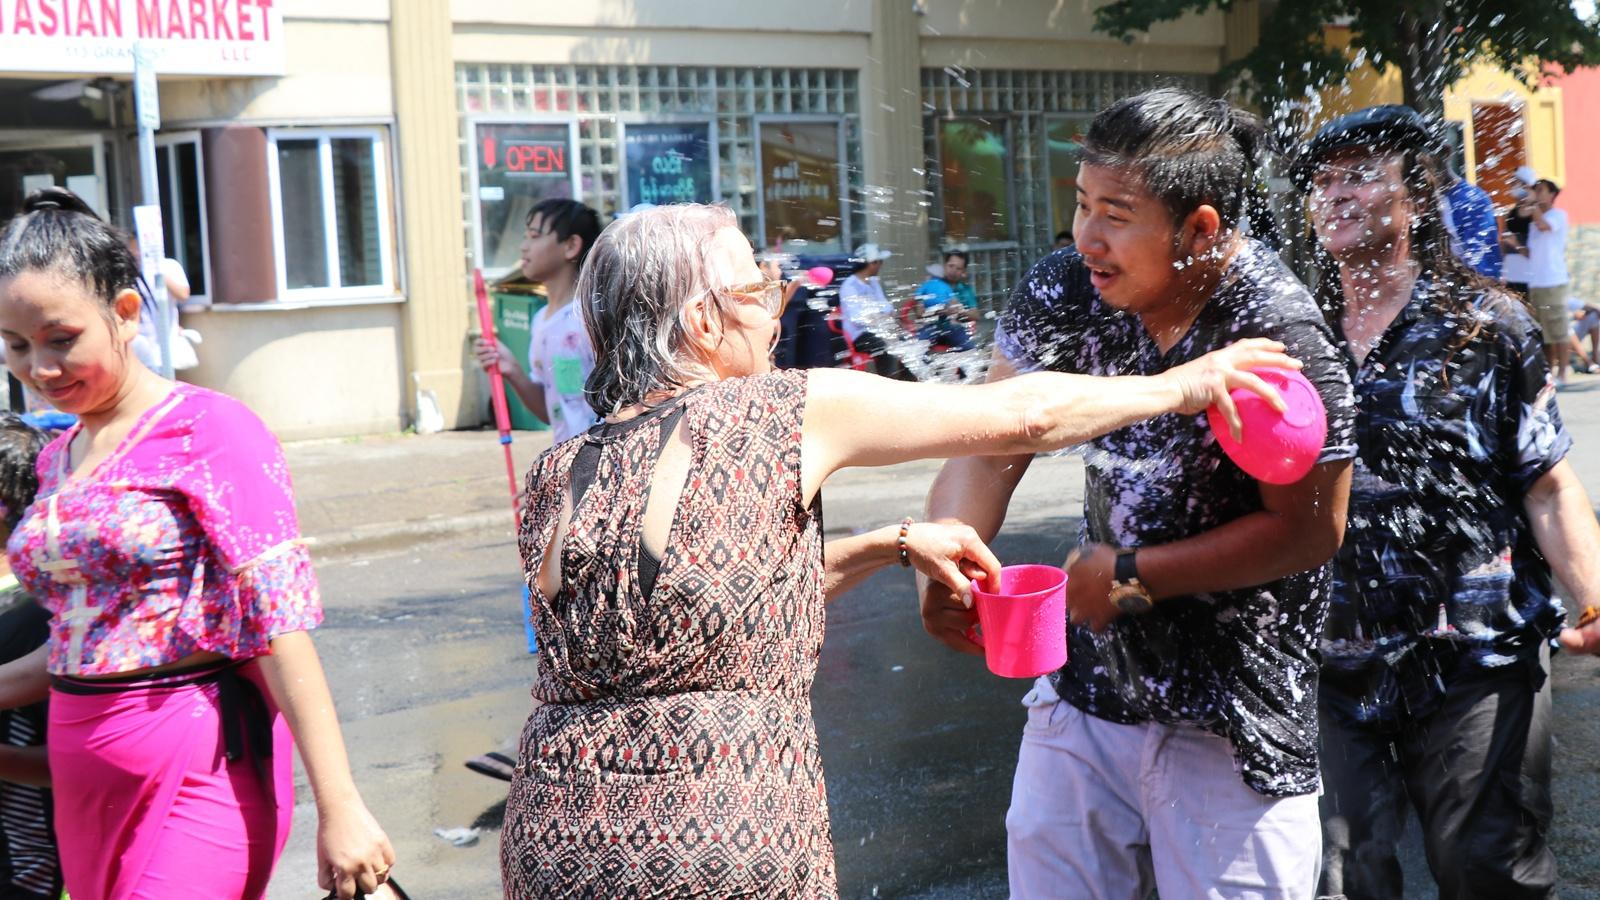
353 540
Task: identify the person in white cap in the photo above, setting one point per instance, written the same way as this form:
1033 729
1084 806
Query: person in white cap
866 312
1547 274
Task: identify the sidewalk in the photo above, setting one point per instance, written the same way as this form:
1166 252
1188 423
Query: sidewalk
357 492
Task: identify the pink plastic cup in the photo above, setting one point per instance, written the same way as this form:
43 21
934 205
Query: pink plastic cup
1023 625
1278 448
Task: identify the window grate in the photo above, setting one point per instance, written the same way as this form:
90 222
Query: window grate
1026 97
597 95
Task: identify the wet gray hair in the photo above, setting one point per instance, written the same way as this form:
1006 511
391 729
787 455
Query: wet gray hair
635 284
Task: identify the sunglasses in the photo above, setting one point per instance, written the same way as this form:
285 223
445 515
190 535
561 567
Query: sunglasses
770 294
1325 176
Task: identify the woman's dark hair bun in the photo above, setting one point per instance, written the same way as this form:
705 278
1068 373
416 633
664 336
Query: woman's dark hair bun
58 232
57 198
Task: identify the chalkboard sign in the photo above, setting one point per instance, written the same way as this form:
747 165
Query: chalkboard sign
669 162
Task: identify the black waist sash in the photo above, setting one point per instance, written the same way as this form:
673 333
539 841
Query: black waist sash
246 718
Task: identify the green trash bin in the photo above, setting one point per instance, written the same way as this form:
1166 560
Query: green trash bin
513 324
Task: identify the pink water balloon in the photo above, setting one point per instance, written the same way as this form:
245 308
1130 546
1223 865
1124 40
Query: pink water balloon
1278 448
821 276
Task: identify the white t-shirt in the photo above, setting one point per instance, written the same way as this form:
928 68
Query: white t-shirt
863 306
1547 251
560 360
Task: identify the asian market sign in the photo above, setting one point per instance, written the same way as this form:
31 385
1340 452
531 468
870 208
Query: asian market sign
185 37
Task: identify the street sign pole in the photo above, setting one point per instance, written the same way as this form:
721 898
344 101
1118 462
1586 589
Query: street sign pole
147 108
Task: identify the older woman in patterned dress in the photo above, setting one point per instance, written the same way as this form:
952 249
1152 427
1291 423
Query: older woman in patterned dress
678 573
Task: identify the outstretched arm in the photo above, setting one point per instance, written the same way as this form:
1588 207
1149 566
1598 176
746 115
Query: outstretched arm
951 554
856 419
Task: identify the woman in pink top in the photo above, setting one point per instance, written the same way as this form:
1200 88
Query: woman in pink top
165 543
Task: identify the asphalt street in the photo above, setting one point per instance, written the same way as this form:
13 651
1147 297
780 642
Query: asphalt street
424 648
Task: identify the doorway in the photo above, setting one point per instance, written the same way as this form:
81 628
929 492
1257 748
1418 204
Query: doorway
1499 145
75 162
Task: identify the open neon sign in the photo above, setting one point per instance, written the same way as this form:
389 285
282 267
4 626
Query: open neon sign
526 157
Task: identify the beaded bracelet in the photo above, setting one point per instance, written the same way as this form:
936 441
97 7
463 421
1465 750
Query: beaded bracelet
900 542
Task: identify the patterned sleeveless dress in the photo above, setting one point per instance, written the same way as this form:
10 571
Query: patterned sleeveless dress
672 753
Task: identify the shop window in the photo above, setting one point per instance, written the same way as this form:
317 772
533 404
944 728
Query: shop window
1033 101
610 103
515 166
330 194
181 177
975 165
669 162
801 187
1063 150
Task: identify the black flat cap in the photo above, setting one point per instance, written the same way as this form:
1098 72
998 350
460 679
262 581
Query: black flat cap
1388 127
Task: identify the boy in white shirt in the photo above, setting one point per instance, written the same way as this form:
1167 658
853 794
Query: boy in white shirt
559 235
560 357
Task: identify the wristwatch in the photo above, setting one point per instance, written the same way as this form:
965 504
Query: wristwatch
1128 593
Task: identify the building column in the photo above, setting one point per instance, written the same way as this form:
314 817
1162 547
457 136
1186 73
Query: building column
439 304
891 124
1241 29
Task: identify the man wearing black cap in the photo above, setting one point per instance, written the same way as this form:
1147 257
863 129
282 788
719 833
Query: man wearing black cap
1443 609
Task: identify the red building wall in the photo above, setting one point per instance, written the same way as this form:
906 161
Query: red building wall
1580 99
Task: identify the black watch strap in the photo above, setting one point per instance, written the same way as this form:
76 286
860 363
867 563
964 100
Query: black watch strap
1126 569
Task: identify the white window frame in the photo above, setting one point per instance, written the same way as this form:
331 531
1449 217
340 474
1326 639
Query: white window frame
386 239
641 120
166 143
846 239
476 212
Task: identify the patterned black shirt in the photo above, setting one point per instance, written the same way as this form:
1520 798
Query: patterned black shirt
1439 570
1241 664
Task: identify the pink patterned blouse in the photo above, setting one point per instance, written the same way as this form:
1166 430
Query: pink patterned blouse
183 540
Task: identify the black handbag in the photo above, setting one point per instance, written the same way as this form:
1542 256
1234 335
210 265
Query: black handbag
393 886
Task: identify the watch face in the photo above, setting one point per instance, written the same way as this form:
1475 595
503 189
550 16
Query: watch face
1131 598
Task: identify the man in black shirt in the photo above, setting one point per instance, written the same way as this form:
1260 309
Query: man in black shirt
1176 750
1434 660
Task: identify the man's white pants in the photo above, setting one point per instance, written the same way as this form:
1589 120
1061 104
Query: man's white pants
1109 812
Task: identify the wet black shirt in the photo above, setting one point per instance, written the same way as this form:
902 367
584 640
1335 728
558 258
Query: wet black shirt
1439 572
1241 663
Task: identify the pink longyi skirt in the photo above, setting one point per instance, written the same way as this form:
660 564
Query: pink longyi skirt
147 804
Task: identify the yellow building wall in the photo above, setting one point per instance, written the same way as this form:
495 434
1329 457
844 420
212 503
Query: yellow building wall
309 370
1542 111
